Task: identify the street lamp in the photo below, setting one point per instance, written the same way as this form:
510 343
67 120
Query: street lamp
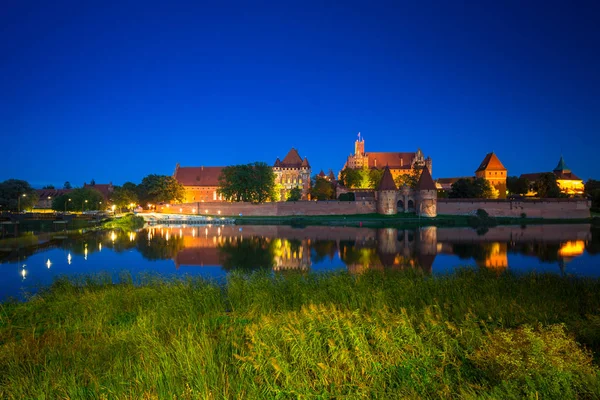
99 205
19 201
66 202
83 205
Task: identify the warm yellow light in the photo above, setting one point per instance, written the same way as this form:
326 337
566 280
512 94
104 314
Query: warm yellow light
193 211
69 258
572 248
180 209
113 236
48 263
23 273
219 212
113 207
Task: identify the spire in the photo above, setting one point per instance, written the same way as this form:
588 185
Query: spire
426 181
562 166
387 181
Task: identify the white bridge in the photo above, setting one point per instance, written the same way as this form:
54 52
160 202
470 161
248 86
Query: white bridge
183 219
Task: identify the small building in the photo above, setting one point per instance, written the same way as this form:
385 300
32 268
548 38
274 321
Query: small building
292 172
200 183
46 196
569 183
492 170
105 189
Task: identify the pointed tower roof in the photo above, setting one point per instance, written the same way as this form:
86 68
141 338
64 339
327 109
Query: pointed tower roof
277 162
562 166
387 181
305 163
426 181
491 162
292 159
322 174
331 176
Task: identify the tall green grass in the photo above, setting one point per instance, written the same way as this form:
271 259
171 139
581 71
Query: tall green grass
471 334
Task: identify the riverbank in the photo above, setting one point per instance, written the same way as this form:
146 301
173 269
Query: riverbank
378 335
406 220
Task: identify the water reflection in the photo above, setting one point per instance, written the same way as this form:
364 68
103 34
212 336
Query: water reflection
285 248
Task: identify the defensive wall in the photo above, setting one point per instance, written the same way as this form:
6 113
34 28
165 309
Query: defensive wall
546 208
274 209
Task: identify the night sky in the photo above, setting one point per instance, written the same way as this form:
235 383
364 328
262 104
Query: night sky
113 92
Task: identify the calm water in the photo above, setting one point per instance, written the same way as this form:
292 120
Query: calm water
36 260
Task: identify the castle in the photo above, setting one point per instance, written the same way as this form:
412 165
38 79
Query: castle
398 163
422 200
292 172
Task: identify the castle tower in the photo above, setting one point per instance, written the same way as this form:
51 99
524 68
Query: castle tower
359 146
492 170
387 195
426 195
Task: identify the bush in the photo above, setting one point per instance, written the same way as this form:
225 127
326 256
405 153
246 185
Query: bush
481 213
346 197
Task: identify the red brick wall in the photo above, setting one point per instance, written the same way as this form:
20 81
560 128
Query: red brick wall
547 208
274 209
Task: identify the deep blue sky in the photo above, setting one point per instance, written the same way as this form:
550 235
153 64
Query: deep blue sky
117 91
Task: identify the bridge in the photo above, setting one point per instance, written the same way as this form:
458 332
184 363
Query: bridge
182 219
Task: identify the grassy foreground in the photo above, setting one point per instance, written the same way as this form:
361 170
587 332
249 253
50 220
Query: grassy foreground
471 334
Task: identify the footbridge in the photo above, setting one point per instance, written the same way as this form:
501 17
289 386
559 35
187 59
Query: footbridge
183 219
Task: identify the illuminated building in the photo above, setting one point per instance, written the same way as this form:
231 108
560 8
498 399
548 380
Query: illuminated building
200 183
492 170
567 181
292 172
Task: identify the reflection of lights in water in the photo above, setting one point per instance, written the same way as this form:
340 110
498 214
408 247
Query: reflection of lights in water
193 233
167 236
69 258
180 232
100 246
206 232
572 248
113 236
85 253
149 235
48 263
131 236
23 273
219 231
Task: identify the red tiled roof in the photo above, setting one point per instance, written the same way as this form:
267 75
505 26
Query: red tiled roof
292 160
392 160
198 176
322 174
387 181
491 162
532 177
426 181
45 193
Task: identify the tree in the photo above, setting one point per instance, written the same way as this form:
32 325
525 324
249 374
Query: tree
516 185
375 176
123 196
50 187
350 178
546 186
592 190
295 194
471 188
82 199
411 180
67 185
160 188
17 195
248 182
322 189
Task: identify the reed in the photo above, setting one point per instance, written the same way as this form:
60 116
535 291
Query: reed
470 334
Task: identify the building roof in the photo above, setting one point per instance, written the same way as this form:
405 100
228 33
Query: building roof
532 177
198 176
562 166
305 163
491 162
322 174
387 181
426 181
291 160
45 193
391 159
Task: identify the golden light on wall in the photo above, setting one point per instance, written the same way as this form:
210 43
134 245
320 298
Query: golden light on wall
572 248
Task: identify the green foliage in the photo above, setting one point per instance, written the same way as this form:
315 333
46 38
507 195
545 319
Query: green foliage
295 194
247 254
82 199
322 189
351 178
411 180
471 188
48 187
592 190
126 223
546 186
517 185
17 195
377 335
248 182
67 185
124 196
375 176
159 189
346 197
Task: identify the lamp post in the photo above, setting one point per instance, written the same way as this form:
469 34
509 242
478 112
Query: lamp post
99 205
19 201
83 206
66 202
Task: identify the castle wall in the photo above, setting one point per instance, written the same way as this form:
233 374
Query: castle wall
546 208
387 202
273 209
427 203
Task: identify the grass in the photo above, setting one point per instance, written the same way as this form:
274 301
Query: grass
472 334
128 222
